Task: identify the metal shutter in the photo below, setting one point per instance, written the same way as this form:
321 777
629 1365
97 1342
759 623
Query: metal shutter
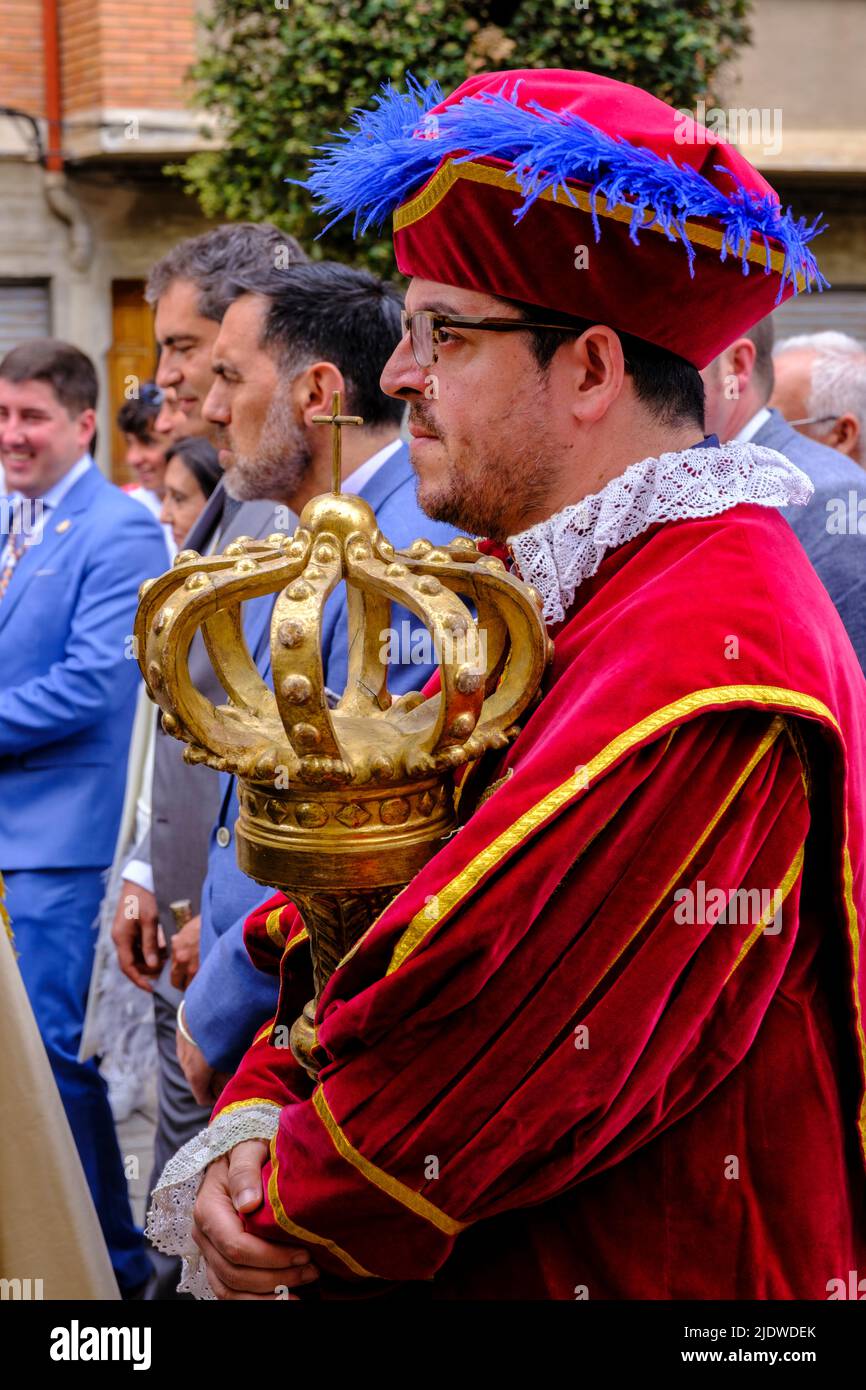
843 310
25 312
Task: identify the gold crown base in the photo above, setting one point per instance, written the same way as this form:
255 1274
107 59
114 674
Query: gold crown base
340 863
315 839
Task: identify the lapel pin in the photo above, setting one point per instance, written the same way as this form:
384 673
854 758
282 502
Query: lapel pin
62 526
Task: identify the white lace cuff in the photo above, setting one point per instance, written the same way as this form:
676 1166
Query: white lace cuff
169 1221
559 553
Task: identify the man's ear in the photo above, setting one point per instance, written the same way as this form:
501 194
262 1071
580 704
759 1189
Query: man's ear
844 434
598 367
87 428
740 362
313 390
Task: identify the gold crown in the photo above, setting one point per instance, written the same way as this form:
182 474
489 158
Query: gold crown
285 744
341 806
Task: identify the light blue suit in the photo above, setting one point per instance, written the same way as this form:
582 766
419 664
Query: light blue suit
229 998
68 682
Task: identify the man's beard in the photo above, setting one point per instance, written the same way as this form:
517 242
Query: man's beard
488 498
280 463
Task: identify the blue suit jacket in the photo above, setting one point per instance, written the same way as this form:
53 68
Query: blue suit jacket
840 560
229 998
68 677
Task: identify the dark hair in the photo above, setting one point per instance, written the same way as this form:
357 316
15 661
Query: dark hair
136 417
67 370
331 312
669 386
763 335
198 455
207 260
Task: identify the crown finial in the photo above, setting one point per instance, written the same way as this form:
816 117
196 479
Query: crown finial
337 420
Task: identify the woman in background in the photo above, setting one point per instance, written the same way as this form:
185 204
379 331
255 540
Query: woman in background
145 449
192 472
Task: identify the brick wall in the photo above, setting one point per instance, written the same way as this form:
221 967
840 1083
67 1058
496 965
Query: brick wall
118 53
21 55
80 54
114 53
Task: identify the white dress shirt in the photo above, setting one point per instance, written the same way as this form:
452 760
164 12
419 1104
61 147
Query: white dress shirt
362 474
751 427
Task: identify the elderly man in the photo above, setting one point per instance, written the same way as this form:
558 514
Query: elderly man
820 389
739 383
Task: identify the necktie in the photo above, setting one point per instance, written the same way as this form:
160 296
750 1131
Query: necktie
231 506
15 546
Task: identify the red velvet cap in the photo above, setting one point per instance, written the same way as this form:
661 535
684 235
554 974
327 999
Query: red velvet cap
674 274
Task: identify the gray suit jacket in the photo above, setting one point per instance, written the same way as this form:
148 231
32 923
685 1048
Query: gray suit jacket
185 799
840 560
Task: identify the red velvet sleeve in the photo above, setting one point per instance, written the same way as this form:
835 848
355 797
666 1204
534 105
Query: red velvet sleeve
277 942
586 995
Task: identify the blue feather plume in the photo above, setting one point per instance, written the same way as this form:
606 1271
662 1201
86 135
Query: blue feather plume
390 151
369 172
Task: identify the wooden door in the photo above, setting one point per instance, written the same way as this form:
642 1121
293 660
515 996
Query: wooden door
131 359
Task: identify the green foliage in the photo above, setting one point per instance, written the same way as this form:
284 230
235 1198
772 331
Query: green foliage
277 77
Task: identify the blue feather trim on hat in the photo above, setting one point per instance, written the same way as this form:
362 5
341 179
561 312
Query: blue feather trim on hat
371 169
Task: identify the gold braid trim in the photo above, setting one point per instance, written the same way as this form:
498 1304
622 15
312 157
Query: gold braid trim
384 1181
451 172
242 1105
854 934
308 1237
757 757
556 800
272 927
303 935
784 888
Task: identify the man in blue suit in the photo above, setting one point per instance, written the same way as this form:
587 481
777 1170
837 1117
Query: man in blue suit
285 346
75 553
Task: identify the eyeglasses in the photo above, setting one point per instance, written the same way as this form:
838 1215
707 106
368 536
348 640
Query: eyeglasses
424 328
812 420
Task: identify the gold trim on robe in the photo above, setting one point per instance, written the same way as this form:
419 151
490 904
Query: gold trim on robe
448 897
384 1181
451 172
307 1237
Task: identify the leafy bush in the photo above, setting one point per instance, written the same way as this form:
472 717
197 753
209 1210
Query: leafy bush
277 78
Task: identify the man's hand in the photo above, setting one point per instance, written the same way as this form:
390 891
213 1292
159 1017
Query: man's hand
205 1083
239 1265
184 953
135 935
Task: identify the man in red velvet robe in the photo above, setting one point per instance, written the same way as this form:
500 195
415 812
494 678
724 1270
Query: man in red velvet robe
609 1042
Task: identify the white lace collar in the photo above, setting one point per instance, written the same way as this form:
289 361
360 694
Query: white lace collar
557 554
